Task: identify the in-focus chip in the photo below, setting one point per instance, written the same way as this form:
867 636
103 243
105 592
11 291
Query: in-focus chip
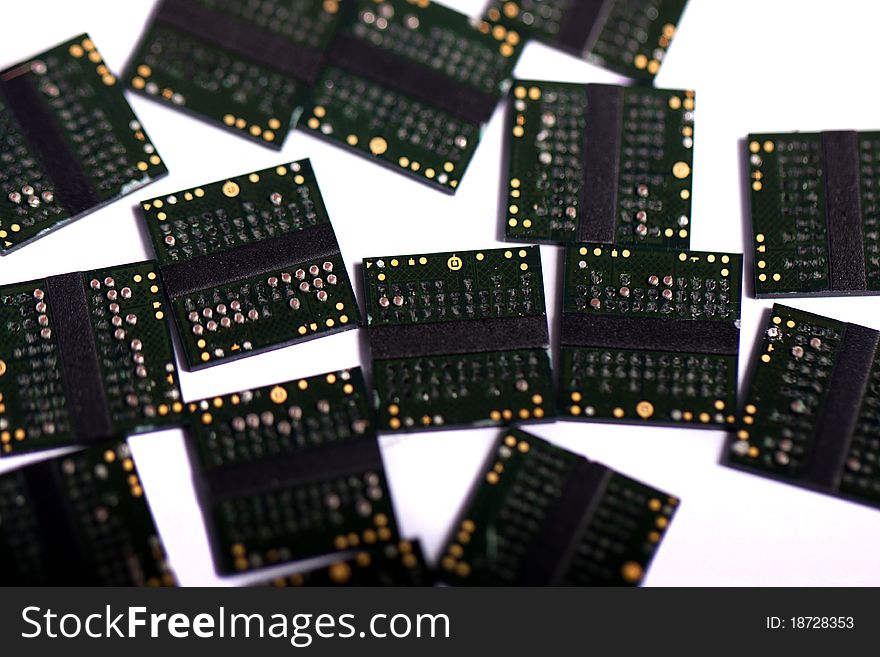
542 516
85 357
599 163
650 336
812 411
290 471
69 142
815 214
400 564
251 264
246 66
458 338
629 37
410 85
79 520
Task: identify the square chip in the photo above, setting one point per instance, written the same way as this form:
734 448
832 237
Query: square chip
251 264
241 65
400 564
290 471
629 37
79 520
815 216
69 142
458 339
812 410
410 85
85 357
650 336
540 515
599 163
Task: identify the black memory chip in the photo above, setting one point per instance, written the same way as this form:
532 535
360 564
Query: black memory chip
812 411
85 357
79 520
815 216
69 142
630 37
290 471
542 516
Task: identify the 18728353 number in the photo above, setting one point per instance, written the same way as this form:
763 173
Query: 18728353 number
810 623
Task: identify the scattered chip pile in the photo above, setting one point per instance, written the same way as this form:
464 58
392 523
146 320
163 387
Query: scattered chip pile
542 516
815 215
650 336
400 564
599 163
290 471
410 85
251 264
69 142
79 520
242 65
812 411
630 37
458 339
85 357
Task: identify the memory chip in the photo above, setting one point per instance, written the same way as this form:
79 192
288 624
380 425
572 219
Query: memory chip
410 85
79 520
650 336
599 163
290 471
69 142
458 339
85 357
811 416
400 564
251 264
540 515
630 37
815 213
241 65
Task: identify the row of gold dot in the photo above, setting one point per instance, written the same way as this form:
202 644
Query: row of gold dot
255 130
749 419
369 536
683 257
523 414
509 38
515 193
645 410
87 49
676 103
455 551
642 62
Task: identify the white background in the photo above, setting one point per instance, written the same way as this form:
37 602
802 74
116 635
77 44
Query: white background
757 65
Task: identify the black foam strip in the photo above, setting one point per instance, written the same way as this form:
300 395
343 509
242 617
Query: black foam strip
80 368
458 337
843 210
649 334
72 187
548 556
248 260
244 39
64 552
414 80
580 23
840 408
604 119
317 464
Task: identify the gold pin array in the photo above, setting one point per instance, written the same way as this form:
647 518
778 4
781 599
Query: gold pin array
254 129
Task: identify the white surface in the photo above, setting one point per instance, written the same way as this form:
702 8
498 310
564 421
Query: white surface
757 65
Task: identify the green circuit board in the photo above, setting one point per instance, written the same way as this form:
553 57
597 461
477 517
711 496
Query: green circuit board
814 205
650 336
243 66
810 416
250 264
599 163
539 515
410 84
290 471
400 564
85 357
458 338
630 37
79 520
69 142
